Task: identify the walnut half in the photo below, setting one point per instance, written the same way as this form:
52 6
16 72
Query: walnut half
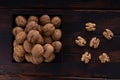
90 26
108 34
86 57
104 58
94 42
80 41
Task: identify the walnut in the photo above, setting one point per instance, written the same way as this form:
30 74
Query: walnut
56 21
28 57
57 46
80 41
108 34
17 58
90 26
47 39
94 42
21 37
37 59
44 19
33 18
86 57
16 30
104 58
20 21
19 51
57 35
50 58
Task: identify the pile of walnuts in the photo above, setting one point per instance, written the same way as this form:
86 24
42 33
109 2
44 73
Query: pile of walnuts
36 39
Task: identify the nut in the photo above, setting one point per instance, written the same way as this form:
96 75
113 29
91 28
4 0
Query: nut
19 51
15 43
57 35
50 58
80 41
32 25
57 46
33 36
47 39
37 60
17 58
56 21
16 30
86 57
108 34
33 18
94 42
21 37
27 46
20 21
48 29
90 26
104 58
28 57
48 50
44 19
37 50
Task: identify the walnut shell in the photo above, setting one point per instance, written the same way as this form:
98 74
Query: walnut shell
44 19
37 60
28 57
48 50
47 39
33 18
19 50
56 21
16 30
37 50
21 37
20 21
57 35
57 46
50 58
17 58
48 29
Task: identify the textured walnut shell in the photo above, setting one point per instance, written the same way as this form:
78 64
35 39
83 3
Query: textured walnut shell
40 40
19 50
15 43
33 18
44 19
17 58
32 25
57 46
50 58
27 46
56 21
28 57
48 29
16 30
37 60
47 39
33 36
37 50
57 35
20 21
21 37
48 50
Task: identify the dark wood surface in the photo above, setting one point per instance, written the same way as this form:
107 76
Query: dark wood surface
67 65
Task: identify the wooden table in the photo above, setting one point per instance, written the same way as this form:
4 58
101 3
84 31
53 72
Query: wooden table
67 65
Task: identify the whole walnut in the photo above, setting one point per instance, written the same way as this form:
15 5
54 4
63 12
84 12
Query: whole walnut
33 36
57 35
16 30
37 50
28 57
15 43
48 29
27 46
56 21
50 58
57 46
44 19
33 18
48 50
19 51
20 21
32 25
37 59
17 58
21 37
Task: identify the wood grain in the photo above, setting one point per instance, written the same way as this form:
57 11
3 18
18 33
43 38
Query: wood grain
67 64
